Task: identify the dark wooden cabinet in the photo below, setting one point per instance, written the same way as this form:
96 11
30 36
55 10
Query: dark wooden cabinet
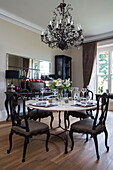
62 66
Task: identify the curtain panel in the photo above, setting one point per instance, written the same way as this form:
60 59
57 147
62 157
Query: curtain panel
89 55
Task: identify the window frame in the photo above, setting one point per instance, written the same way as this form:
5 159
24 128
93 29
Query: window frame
101 49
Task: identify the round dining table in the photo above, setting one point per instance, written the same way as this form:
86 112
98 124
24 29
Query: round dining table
61 107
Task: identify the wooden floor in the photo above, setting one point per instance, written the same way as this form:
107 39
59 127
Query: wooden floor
83 157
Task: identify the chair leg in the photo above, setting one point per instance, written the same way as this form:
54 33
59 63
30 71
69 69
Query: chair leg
26 141
48 136
39 119
71 136
52 118
96 146
106 137
86 138
10 141
68 120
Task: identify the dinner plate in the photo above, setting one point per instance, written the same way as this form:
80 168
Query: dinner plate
43 104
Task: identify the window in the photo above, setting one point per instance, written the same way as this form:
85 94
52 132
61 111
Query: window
45 68
105 68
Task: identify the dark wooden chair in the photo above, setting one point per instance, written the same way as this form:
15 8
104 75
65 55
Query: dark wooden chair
40 114
93 126
23 126
82 114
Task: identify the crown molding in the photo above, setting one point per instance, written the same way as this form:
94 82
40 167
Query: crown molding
99 37
7 16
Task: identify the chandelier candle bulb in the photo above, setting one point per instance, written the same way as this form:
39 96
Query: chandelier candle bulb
42 33
50 23
72 23
78 27
68 19
82 37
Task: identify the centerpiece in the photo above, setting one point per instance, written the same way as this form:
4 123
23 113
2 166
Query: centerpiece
59 85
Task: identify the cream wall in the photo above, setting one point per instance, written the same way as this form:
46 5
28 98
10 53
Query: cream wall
20 41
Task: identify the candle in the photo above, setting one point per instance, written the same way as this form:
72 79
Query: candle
68 19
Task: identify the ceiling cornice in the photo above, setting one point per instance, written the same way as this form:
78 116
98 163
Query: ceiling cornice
5 15
99 37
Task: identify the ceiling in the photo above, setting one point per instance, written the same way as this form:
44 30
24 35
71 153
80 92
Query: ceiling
95 16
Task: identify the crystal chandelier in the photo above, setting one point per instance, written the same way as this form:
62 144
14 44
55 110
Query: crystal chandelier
61 32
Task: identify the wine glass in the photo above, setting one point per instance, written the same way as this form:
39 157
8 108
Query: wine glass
76 93
42 91
54 92
83 93
71 90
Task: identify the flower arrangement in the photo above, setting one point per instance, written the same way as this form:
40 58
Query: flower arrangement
60 85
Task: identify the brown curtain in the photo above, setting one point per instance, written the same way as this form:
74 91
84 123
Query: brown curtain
89 54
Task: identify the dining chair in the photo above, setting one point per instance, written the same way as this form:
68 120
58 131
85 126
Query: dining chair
36 113
93 126
82 114
40 114
23 126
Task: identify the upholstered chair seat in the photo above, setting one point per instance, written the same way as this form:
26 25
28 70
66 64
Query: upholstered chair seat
86 126
34 128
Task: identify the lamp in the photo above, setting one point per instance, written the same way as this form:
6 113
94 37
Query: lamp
61 32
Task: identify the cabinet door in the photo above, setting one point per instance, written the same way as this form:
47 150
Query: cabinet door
63 66
59 67
67 68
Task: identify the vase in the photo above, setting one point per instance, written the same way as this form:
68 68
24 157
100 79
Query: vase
60 94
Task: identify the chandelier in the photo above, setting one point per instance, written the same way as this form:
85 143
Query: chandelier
61 32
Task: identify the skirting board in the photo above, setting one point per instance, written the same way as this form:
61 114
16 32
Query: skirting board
3 115
111 104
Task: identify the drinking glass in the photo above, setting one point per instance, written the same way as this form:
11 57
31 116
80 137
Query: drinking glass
71 90
83 92
37 98
54 92
42 91
76 93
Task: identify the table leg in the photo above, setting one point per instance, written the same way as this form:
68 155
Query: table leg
59 119
66 133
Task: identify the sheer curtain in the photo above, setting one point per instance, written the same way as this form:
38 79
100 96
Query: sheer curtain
89 55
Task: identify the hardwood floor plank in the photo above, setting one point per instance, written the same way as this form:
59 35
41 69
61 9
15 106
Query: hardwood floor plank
83 156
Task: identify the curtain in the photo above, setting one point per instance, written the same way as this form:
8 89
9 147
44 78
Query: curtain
89 55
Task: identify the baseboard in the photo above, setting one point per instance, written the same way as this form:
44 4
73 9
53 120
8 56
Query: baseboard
110 105
3 115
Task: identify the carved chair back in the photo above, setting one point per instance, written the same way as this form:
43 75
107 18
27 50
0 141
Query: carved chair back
100 119
17 118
